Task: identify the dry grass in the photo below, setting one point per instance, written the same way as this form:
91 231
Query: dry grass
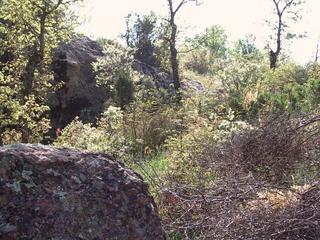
254 197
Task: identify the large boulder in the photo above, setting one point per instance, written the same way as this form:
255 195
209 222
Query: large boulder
78 94
64 194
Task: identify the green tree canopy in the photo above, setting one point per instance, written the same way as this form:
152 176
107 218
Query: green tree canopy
29 31
246 47
142 34
213 39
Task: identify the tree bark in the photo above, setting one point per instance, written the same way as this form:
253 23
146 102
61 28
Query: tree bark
34 61
317 53
1 141
274 55
174 54
173 38
173 50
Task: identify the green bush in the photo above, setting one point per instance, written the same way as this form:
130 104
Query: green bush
124 89
133 133
149 124
17 117
286 90
107 136
254 91
190 155
114 72
206 50
241 78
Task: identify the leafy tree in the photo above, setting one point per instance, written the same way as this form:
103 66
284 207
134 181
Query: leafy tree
214 39
286 11
114 72
246 47
30 29
206 48
142 35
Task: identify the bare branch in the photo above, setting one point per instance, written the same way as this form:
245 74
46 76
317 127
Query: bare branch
184 2
288 4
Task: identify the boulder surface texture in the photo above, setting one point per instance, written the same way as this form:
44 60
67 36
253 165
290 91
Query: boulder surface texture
78 94
63 194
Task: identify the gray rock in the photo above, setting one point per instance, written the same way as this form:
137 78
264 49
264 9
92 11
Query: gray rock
162 79
79 95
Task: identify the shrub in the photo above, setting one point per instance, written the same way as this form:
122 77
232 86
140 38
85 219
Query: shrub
207 50
107 136
291 97
18 119
124 89
134 133
253 90
250 195
114 72
198 61
148 124
242 79
273 152
190 155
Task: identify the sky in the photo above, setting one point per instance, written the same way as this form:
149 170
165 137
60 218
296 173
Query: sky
106 18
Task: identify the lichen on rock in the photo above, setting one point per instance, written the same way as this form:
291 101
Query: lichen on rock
60 193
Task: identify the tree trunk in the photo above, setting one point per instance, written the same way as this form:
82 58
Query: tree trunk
1 141
174 60
28 75
34 60
33 63
273 57
173 50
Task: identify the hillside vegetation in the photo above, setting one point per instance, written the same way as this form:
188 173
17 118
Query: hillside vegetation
230 146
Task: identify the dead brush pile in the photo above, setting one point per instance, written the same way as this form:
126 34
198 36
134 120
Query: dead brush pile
257 194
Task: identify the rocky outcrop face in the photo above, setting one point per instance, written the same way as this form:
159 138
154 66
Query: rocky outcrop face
192 85
78 95
162 79
64 194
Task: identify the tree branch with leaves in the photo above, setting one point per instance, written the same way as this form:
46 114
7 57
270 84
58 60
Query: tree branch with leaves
30 30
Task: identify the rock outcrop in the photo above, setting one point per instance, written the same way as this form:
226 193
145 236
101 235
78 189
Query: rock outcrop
79 95
162 79
64 194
